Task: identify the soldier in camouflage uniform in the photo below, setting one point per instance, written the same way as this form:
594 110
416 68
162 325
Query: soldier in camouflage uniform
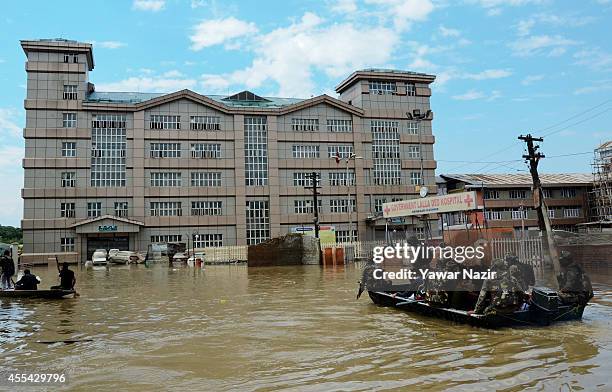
526 276
503 294
437 290
574 284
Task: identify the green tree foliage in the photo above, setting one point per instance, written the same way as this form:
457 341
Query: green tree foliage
10 234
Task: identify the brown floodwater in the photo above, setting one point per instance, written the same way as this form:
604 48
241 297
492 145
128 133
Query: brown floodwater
286 328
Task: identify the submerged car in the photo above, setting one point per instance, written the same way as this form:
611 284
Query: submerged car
99 257
125 257
180 257
198 256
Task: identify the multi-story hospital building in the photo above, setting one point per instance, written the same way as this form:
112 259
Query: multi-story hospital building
124 169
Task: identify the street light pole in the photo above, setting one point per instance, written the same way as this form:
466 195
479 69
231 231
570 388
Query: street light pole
349 208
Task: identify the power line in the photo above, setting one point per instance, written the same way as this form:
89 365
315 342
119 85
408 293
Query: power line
574 116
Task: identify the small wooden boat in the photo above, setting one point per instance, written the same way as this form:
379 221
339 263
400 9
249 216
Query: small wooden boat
40 294
537 313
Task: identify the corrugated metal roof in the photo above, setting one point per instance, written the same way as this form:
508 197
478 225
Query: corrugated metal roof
507 180
132 97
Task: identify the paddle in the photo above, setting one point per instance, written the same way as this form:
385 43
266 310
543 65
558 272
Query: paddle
59 271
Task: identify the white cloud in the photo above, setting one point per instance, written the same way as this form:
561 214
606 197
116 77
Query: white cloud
405 11
217 31
530 79
448 32
197 3
538 44
290 55
488 74
168 82
11 178
524 27
344 6
149 5
601 85
111 44
469 95
594 58
8 123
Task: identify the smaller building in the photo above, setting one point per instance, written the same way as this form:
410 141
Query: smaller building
506 200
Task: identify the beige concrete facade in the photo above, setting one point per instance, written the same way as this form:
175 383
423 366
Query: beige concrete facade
67 211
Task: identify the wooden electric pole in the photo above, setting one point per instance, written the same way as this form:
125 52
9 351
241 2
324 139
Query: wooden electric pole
314 176
533 158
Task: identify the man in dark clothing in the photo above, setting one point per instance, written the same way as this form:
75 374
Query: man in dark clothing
67 279
8 269
27 281
574 284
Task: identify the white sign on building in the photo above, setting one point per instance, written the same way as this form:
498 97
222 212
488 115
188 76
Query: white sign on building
463 201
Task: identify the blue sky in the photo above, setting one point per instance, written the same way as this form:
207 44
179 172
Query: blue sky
504 67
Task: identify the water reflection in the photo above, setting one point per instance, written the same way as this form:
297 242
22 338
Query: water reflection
230 327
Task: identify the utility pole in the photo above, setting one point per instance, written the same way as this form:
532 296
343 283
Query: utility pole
314 176
533 158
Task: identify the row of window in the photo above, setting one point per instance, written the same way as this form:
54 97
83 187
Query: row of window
389 87
67 244
519 214
173 150
492 194
198 179
335 206
198 208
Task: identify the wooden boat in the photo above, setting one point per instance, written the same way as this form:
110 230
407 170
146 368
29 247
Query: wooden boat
39 294
535 315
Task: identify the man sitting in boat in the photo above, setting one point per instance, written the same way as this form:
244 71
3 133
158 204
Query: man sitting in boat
27 281
437 290
574 284
526 276
67 279
501 295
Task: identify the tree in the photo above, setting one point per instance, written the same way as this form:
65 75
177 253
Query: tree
10 234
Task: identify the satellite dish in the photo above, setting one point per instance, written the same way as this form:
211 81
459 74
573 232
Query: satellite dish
423 191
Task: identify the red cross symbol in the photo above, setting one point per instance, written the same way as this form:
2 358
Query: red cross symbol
468 199
387 209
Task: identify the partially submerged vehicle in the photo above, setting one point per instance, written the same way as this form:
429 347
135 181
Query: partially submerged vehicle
116 256
99 257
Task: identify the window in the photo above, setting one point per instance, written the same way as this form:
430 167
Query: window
167 238
67 244
69 120
257 221
551 213
162 121
121 208
379 87
67 210
571 212
166 208
207 240
305 124
68 180
205 123
519 213
414 152
108 150
386 152
490 194
568 193
415 178
305 206
378 204
256 151
410 89
71 58
166 179
493 215
342 151
343 236
305 151
202 179
69 149
342 178
206 150
517 194
412 128
165 150
305 179
70 91
200 208
341 205
547 192
419 232
335 125
94 209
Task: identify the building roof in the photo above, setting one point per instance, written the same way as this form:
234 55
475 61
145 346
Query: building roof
133 97
59 45
386 74
520 180
112 217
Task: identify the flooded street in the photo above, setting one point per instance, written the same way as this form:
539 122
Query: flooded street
286 328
